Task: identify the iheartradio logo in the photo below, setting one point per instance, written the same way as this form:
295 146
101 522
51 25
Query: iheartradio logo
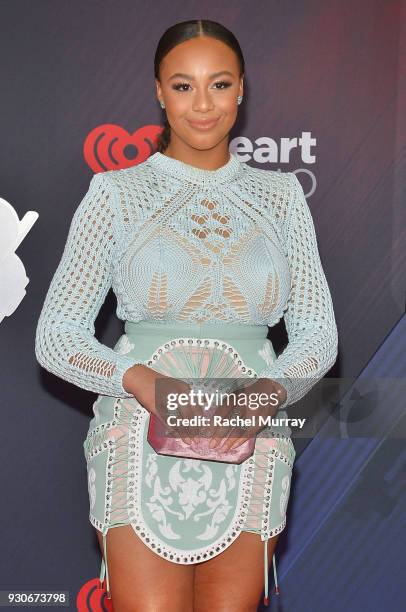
111 147
93 598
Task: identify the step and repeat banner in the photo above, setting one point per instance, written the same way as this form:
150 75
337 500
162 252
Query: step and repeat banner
324 98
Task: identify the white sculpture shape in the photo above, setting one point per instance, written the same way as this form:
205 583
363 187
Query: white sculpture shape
13 278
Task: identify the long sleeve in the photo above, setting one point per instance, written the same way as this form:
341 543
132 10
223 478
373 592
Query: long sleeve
64 341
309 319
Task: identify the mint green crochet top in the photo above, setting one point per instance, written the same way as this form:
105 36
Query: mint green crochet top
180 243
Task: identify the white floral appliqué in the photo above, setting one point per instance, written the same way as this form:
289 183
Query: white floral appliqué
188 487
96 410
266 353
92 487
124 345
283 502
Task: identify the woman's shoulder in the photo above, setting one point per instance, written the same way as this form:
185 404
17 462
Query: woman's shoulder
132 174
133 191
274 189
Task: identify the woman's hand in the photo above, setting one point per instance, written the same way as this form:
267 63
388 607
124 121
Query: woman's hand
142 382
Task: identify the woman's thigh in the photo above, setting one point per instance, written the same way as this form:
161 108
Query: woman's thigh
142 581
233 581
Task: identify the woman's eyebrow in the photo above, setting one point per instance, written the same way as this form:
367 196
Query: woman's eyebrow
191 78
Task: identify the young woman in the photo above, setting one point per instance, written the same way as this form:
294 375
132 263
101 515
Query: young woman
204 254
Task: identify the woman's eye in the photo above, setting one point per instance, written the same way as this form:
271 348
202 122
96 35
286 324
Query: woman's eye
223 83
179 86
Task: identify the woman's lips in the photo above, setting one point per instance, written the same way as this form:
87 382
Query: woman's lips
203 125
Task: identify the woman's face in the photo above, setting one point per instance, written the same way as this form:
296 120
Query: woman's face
199 82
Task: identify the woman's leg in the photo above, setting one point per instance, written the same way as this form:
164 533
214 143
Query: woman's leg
142 581
233 580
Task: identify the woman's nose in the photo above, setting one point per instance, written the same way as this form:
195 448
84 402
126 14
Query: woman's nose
202 101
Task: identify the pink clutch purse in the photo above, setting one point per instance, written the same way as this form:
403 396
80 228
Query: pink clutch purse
163 444
196 361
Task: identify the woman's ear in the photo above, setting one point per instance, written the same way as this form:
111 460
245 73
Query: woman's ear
158 89
241 86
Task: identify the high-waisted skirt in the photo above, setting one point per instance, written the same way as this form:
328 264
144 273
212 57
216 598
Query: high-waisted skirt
186 510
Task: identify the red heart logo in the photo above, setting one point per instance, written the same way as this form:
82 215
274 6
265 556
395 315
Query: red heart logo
111 147
93 598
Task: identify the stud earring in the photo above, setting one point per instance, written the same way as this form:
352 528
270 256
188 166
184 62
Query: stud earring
239 99
162 103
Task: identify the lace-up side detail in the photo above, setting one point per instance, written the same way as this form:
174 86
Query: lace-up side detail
266 450
114 435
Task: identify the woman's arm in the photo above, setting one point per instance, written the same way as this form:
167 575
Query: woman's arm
310 322
64 341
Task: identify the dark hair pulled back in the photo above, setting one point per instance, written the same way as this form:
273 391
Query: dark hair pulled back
178 33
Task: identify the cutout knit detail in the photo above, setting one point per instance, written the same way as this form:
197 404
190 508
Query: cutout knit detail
236 245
